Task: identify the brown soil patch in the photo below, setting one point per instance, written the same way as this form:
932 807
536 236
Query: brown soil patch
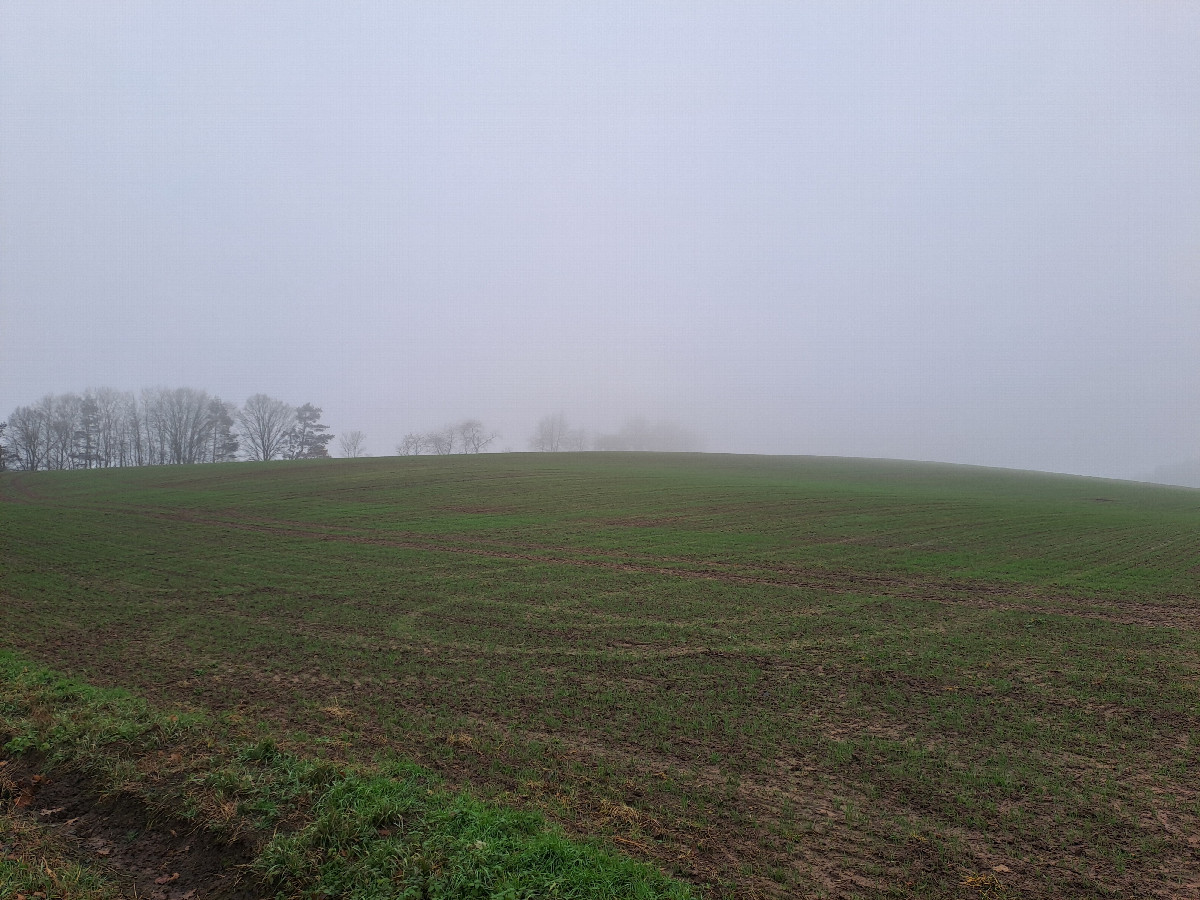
157 858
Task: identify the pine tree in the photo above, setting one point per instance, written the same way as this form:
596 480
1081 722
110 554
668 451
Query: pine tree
223 443
308 437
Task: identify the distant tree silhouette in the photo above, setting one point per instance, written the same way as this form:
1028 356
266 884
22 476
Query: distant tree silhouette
223 442
473 437
353 444
308 438
266 424
550 434
411 445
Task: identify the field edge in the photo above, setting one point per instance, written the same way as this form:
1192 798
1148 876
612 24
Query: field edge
291 826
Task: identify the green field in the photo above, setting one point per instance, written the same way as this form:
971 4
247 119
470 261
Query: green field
769 677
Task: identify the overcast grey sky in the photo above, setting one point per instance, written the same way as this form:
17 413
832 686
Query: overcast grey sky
954 231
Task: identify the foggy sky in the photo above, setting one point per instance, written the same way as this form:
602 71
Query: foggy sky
950 231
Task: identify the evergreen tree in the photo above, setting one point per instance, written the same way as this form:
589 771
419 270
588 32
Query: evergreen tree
308 437
222 441
85 455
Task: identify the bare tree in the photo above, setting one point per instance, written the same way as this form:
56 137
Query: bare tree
183 417
472 436
136 434
550 434
265 424
28 440
353 444
153 436
176 426
125 425
442 442
113 410
411 445
62 414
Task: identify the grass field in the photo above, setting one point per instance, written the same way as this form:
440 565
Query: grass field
770 677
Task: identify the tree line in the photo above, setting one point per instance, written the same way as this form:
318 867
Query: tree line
553 434
104 428
467 436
